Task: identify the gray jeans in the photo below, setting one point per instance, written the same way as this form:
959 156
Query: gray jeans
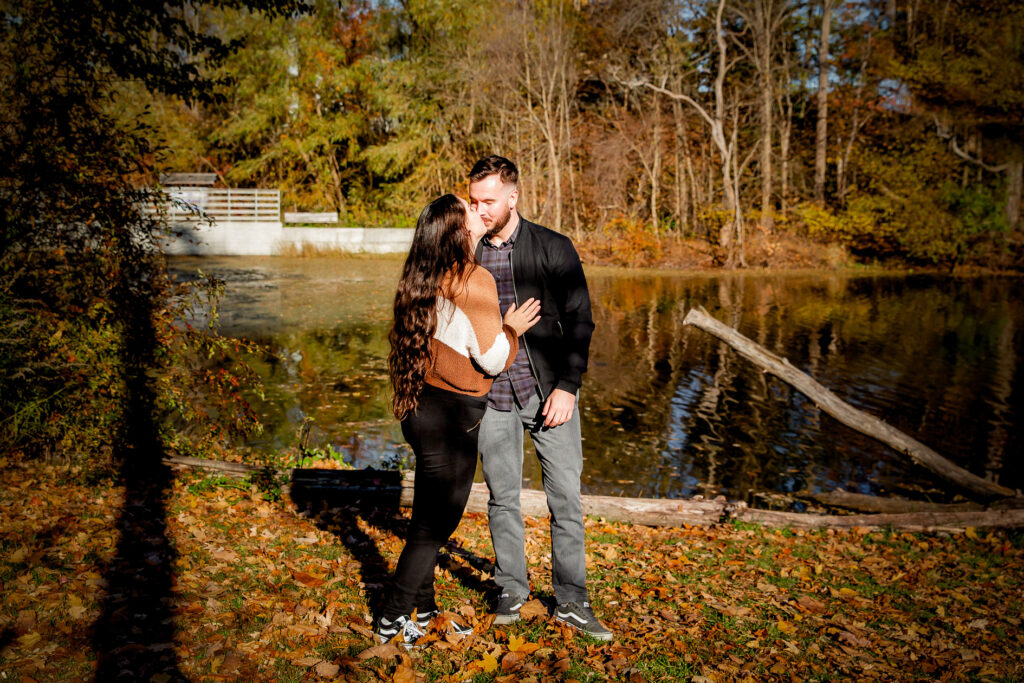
560 451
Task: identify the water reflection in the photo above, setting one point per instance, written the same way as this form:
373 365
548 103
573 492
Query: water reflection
667 410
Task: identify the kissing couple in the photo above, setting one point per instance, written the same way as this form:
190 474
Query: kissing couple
490 339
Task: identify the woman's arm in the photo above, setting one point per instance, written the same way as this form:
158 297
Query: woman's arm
494 342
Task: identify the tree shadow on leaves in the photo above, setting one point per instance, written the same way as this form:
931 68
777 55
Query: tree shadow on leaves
6 638
134 635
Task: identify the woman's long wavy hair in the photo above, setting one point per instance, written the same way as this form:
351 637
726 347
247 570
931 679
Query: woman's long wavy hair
440 257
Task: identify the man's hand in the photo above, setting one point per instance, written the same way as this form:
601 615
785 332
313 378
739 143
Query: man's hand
558 408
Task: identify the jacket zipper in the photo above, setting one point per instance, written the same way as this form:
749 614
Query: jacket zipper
529 358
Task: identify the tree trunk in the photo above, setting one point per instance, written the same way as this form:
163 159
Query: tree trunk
1014 183
784 138
656 165
737 250
567 132
764 22
555 163
821 134
677 169
840 173
730 230
682 203
847 414
767 208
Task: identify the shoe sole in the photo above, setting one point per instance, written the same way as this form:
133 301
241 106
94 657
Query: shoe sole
506 619
605 637
464 634
408 646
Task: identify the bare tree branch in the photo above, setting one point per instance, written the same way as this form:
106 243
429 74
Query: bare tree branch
943 131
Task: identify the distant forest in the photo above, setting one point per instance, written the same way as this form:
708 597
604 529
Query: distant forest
888 130
892 127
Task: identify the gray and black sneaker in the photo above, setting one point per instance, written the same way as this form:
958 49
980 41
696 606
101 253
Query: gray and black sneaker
508 607
423 621
581 617
410 631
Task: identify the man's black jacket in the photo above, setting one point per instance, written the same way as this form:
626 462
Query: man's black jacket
546 267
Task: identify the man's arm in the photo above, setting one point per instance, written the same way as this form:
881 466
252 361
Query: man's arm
569 284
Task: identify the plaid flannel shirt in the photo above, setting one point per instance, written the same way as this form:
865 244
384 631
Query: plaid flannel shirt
517 383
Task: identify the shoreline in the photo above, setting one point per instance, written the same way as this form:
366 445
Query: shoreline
685 257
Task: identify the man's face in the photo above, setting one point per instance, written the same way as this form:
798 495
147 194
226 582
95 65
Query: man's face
493 201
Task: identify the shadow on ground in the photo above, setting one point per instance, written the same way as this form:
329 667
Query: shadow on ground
338 500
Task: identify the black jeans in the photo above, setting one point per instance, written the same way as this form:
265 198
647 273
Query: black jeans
443 434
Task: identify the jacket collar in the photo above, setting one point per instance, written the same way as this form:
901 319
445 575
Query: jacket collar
523 235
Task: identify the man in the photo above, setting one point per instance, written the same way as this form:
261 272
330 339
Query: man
538 393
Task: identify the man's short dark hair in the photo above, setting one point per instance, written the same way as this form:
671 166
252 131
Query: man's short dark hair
492 165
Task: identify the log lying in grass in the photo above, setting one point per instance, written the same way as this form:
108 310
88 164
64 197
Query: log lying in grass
335 488
859 502
844 412
907 521
645 511
236 470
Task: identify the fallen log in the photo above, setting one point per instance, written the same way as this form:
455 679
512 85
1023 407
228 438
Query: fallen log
338 486
851 417
860 502
232 469
335 488
644 511
908 521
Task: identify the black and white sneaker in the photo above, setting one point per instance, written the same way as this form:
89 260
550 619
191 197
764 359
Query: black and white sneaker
581 617
423 621
410 631
508 607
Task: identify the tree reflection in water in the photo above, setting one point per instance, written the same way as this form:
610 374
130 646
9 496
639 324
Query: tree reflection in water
669 411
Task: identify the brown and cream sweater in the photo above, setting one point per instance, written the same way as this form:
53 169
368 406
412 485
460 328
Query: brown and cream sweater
471 344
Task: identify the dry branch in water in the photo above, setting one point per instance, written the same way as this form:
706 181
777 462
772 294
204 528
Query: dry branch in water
844 412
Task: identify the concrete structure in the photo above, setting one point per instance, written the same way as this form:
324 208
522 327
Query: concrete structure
208 221
266 238
306 217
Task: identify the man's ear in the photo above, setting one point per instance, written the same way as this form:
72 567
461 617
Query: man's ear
513 197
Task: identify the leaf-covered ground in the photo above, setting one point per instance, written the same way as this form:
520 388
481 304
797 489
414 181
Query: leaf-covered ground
259 591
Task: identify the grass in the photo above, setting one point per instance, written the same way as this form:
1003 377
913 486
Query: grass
263 593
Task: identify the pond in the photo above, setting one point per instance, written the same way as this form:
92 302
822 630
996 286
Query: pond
669 411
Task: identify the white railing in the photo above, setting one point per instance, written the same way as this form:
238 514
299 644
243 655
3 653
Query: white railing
222 205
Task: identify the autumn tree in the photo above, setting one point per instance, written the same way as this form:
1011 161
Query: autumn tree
622 115
721 117
963 66
764 20
821 130
82 285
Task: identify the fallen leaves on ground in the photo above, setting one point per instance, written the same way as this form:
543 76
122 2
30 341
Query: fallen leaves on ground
261 591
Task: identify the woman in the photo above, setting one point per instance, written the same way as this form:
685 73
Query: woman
447 342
